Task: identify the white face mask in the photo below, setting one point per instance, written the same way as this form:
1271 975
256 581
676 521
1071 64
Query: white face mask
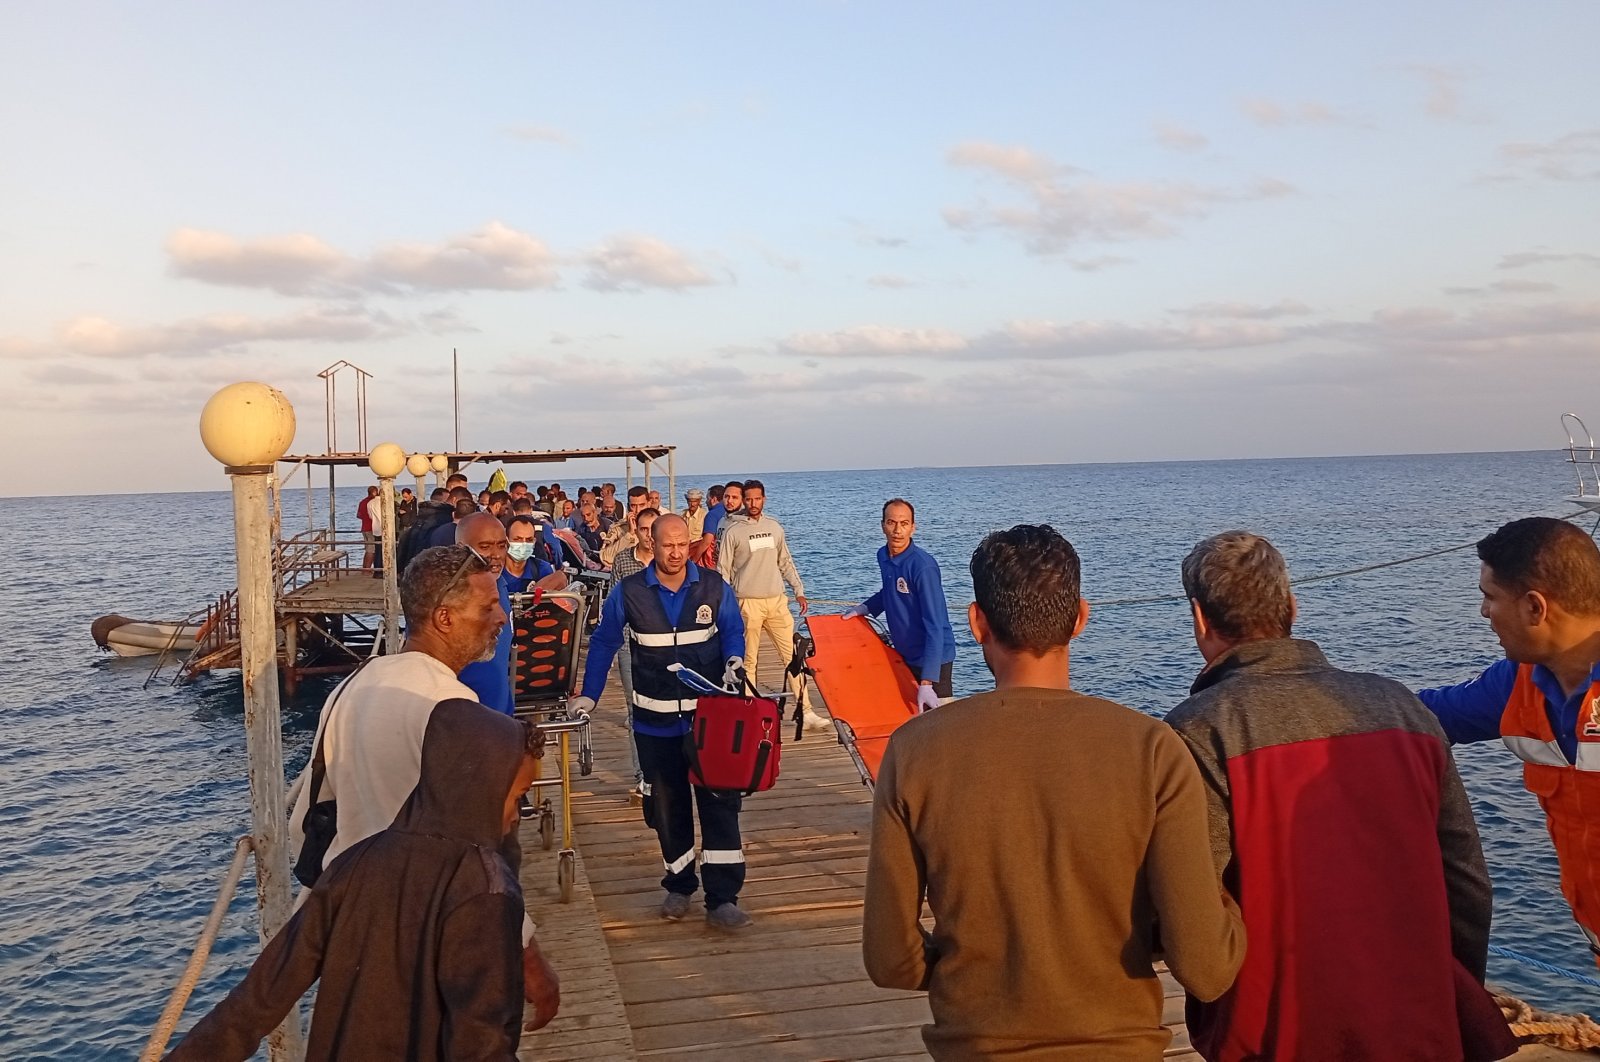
519 551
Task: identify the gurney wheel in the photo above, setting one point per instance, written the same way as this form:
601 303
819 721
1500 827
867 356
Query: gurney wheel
566 874
547 830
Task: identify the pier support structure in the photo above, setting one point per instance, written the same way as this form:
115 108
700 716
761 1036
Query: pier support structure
247 427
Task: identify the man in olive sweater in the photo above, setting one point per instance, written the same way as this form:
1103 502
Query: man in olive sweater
1047 890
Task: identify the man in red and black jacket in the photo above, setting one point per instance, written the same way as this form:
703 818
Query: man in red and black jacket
1339 823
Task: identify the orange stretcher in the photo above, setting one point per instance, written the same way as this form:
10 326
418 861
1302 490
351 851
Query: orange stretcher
868 688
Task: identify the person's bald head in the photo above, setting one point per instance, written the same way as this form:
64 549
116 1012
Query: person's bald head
485 533
671 538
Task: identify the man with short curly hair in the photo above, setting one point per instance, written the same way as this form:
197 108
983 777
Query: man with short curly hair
1046 893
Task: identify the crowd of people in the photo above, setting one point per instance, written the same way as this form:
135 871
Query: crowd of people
1293 839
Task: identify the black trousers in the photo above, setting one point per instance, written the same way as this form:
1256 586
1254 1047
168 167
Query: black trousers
942 685
670 803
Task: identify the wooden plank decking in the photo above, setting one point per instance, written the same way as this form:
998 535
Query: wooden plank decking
790 987
348 590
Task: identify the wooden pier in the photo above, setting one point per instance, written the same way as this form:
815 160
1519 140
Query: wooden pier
792 986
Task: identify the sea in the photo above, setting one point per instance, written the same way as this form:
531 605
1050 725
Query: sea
120 801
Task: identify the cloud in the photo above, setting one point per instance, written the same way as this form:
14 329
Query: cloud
1505 287
1060 208
1098 262
69 374
870 340
1553 328
497 257
1574 156
1523 259
1018 163
1271 115
97 337
660 384
445 322
1177 138
630 263
539 134
1496 328
295 264
1030 340
892 281
1444 90
1246 311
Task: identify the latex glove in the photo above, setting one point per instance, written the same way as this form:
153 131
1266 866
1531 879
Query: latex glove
855 612
927 699
583 706
731 674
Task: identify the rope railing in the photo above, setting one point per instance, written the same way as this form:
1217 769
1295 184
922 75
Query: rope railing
1320 577
202 951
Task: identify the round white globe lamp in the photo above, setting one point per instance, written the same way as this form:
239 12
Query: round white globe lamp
247 425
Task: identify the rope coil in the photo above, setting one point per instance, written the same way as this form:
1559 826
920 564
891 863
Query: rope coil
1569 1032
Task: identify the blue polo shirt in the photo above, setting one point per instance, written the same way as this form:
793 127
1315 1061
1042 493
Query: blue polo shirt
1471 711
535 568
713 520
912 598
491 679
607 638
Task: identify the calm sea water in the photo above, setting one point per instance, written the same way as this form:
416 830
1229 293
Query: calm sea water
119 805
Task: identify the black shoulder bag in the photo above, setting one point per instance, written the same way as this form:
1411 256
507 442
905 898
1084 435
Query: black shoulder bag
321 823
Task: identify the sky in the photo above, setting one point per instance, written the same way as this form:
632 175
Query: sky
799 235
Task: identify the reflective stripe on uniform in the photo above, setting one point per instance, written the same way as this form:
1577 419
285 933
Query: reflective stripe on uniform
679 864
652 704
711 855
660 641
1532 750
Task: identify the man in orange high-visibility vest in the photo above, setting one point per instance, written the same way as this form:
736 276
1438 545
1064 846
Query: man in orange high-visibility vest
1541 595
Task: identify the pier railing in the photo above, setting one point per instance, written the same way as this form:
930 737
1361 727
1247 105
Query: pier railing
1582 455
202 951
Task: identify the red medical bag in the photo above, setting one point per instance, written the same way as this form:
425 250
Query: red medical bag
735 743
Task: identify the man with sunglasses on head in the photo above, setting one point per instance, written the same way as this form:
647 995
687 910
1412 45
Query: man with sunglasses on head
372 726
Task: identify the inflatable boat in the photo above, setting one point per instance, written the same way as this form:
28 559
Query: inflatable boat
130 637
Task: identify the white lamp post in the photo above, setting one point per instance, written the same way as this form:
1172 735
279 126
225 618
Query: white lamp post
440 465
247 427
387 461
418 465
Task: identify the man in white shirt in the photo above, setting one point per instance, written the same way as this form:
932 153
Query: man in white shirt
372 727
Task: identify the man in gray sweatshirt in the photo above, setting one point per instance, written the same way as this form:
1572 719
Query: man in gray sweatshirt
753 557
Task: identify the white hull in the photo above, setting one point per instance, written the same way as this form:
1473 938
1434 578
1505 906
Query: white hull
147 639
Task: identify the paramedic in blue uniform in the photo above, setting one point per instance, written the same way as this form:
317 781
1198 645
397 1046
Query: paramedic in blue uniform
913 598
676 612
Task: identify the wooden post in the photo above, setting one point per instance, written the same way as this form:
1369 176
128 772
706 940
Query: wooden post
391 569
672 480
258 661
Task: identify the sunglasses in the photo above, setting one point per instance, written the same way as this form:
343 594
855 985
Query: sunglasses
472 556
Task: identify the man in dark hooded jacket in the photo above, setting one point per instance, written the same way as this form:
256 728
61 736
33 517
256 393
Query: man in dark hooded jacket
415 932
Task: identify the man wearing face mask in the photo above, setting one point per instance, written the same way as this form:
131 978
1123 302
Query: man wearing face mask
525 569
490 678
